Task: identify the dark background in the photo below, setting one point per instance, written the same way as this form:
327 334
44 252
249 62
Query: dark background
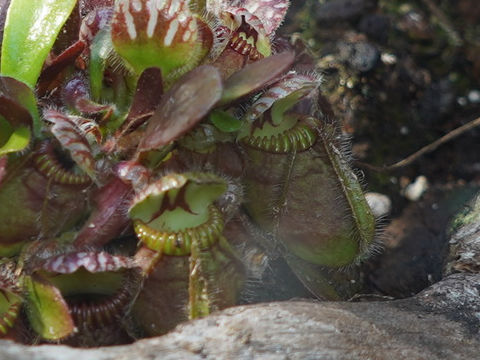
399 75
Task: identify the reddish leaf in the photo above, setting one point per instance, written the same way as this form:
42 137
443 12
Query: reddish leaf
68 131
96 20
14 113
3 168
182 107
50 77
134 173
255 76
88 106
18 104
241 14
249 24
126 144
17 110
109 217
206 37
146 98
74 89
229 61
148 93
75 94
69 32
88 127
288 85
245 32
270 12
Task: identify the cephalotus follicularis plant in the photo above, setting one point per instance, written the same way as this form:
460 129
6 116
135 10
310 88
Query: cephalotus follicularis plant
155 157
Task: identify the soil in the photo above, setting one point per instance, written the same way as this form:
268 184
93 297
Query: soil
399 75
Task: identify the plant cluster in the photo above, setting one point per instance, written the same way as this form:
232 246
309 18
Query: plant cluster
155 155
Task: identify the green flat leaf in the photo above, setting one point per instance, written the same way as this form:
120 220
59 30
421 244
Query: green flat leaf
225 122
17 141
47 310
31 28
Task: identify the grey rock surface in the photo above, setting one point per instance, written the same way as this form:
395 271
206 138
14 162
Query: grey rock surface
441 322
465 240
380 204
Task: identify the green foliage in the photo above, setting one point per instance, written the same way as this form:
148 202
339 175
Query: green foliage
31 28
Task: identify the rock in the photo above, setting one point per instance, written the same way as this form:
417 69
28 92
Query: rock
465 240
415 190
418 328
456 299
441 322
474 96
380 204
361 56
